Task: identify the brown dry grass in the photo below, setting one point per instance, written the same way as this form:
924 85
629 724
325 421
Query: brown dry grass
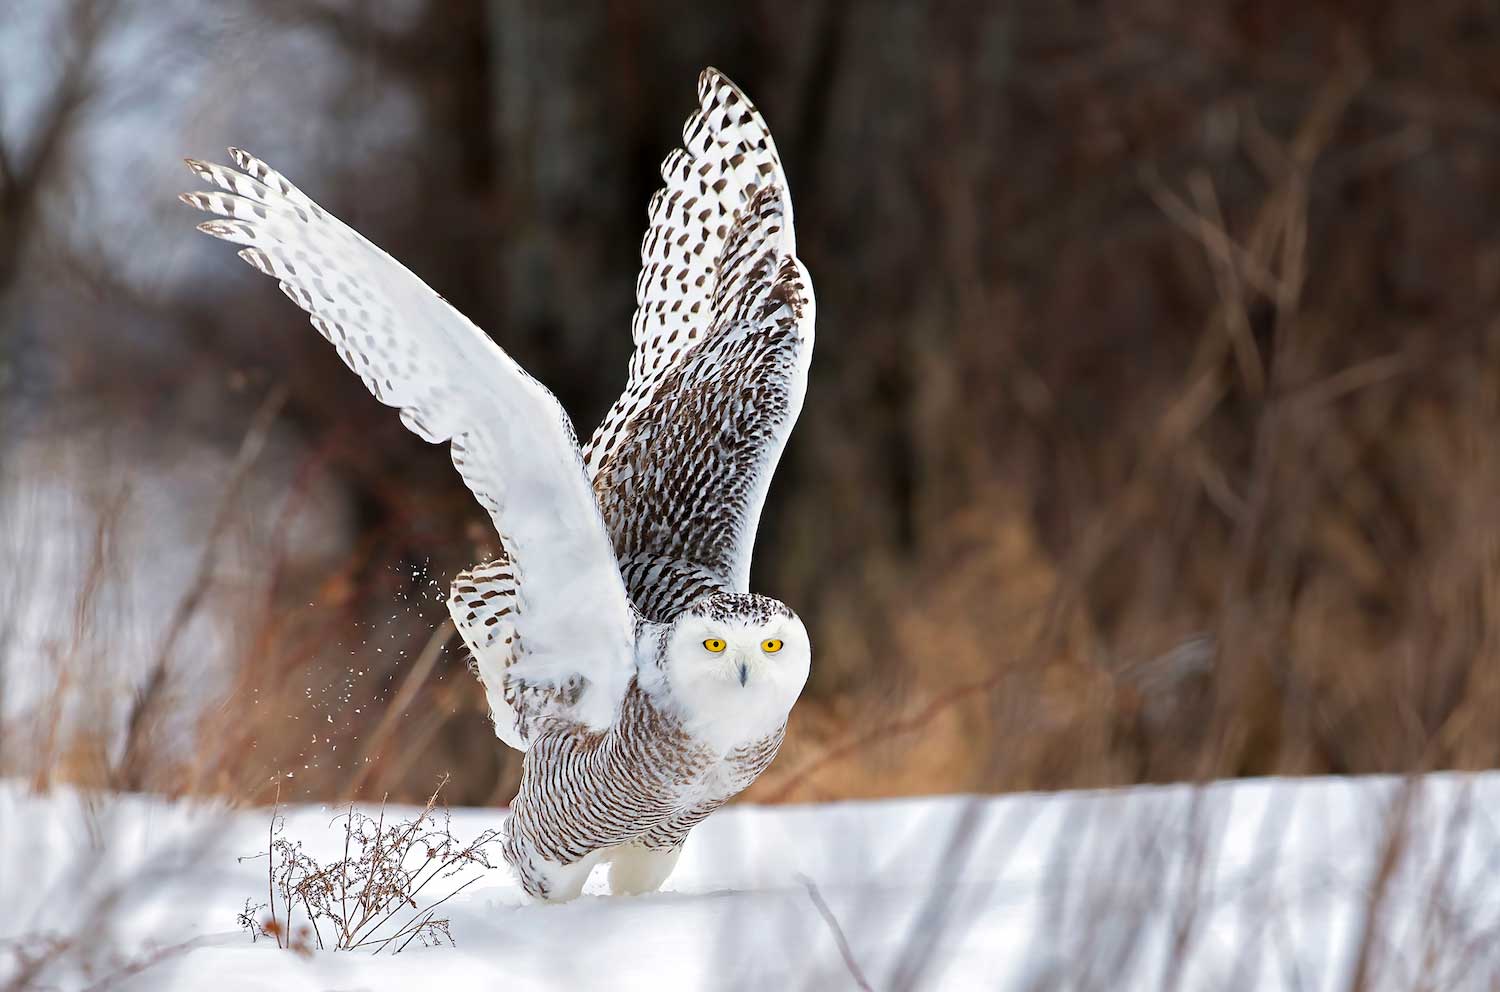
376 896
1190 476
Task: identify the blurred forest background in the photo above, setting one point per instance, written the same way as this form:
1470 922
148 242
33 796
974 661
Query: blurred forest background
1152 431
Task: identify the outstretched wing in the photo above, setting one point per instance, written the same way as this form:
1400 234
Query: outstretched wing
563 598
723 337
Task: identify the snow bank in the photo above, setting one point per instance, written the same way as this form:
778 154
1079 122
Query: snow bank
1255 884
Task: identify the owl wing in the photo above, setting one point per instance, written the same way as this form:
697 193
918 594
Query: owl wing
723 336
553 632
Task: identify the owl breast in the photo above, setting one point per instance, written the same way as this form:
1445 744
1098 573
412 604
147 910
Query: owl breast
645 780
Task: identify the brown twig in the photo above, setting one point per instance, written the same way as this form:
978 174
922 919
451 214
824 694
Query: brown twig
131 771
1392 850
845 951
392 868
271 863
416 677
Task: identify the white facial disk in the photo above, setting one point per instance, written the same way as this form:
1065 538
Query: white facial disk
736 674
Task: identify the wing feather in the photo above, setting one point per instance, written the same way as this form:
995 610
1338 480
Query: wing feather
723 336
511 442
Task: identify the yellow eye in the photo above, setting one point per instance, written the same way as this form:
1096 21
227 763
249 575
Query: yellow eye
714 644
770 645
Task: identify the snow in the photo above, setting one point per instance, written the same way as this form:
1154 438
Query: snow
1262 884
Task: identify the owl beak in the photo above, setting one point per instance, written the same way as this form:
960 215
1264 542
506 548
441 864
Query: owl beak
744 672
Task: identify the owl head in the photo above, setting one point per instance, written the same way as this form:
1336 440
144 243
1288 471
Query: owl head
735 664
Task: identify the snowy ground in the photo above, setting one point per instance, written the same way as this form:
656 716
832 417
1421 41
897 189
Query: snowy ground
1261 884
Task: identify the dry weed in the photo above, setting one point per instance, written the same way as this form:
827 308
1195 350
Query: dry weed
373 896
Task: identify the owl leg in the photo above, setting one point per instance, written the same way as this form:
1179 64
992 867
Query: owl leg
543 878
551 882
635 868
565 882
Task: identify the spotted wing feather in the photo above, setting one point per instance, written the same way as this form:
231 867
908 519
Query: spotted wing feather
559 587
723 336
726 155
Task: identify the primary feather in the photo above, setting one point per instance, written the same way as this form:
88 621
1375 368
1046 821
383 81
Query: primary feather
723 337
511 442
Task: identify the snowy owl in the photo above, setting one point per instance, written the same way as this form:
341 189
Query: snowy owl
615 635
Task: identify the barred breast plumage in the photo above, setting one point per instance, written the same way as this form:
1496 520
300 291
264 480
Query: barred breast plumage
644 781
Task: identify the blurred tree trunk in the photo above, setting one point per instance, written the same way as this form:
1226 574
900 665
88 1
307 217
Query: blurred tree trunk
26 162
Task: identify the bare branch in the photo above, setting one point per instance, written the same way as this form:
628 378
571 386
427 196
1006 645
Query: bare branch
132 765
21 180
838 933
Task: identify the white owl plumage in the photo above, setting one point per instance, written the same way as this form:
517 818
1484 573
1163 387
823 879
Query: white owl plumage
615 636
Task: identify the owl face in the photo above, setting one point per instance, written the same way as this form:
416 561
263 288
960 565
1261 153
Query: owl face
736 663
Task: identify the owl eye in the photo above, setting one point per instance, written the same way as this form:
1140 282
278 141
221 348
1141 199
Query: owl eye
771 645
714 644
